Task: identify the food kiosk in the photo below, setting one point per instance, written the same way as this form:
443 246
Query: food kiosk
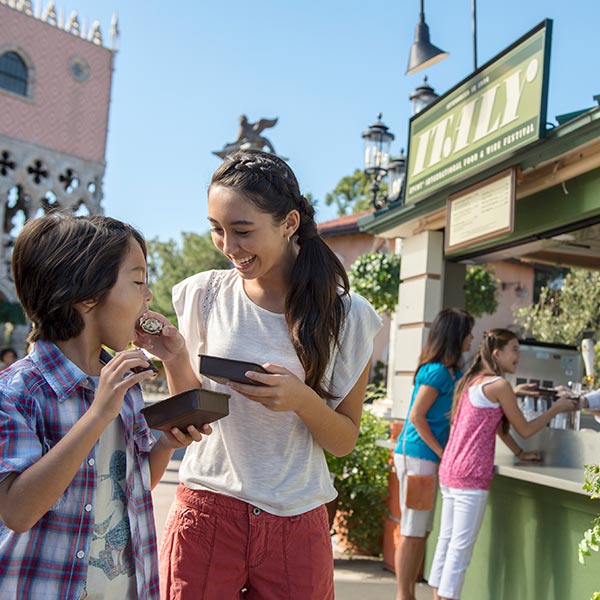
489 180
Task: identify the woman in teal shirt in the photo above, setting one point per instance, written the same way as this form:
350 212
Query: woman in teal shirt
426 431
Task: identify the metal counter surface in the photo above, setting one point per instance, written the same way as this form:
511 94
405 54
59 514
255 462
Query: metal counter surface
564 453
569 479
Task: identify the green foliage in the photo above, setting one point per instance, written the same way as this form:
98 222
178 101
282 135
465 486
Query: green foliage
375 390
361 479
591 538
547 276
481 291
169 263
378 379
376 276
562 315
11 312
352 193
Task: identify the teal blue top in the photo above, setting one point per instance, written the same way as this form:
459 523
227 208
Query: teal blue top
437 376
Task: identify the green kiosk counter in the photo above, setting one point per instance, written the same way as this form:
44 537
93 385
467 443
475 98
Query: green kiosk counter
535 517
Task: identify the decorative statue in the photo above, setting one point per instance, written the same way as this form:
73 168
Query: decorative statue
249 137
250 133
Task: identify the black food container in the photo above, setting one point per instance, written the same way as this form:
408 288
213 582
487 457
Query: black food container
194 407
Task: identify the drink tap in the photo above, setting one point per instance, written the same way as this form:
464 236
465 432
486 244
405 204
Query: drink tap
587 351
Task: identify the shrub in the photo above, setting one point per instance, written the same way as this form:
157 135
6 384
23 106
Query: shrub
361 479
376 276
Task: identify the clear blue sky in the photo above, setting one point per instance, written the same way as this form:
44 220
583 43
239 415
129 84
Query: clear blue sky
186 70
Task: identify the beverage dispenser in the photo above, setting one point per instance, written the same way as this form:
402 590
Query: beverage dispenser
548 366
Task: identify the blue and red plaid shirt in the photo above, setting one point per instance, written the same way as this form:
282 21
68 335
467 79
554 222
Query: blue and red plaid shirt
41 397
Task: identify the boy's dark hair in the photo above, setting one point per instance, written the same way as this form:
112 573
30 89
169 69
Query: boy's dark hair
60 260
314 307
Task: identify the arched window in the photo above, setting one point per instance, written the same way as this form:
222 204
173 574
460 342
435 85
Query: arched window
13 73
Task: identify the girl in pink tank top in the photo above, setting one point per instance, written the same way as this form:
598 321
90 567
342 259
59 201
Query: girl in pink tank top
484 406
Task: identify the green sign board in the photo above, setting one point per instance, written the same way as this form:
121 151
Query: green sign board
482 120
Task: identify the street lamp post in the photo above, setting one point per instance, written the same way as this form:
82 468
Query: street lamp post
423 53
423 96
378 164
396 176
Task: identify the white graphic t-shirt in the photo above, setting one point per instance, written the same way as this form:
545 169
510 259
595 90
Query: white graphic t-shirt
111 571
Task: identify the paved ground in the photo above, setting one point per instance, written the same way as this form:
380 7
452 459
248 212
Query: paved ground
355 578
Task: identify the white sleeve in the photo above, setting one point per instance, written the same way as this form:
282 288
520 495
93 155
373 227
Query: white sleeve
355 349
188 296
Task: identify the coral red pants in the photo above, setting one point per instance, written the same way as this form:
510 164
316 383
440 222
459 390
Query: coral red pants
214 546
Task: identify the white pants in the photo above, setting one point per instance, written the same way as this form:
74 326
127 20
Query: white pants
462 514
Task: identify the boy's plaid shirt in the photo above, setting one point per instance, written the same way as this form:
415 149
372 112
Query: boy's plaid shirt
41 398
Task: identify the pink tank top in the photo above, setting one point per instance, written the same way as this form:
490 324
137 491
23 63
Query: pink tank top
468 460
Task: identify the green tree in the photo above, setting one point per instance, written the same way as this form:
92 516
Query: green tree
352 193
563 313
169 263
481 291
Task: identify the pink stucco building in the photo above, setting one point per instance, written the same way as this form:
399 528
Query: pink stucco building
55 81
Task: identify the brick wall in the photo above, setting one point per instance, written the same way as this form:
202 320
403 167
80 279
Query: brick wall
61 113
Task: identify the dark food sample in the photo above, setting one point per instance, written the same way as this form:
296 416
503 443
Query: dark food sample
148 367
152 326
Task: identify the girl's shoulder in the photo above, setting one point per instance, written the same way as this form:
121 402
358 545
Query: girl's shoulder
435 374
359 313
355 303
202 279
493 383
199 282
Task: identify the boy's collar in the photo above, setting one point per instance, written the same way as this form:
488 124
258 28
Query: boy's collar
62 375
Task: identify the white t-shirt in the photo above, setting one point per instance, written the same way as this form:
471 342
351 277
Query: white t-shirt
268 459
111 569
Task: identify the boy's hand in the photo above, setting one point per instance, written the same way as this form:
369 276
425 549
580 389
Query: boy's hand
114 383
177 439
165 345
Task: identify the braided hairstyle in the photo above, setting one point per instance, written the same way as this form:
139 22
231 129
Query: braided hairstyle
314 305
484 363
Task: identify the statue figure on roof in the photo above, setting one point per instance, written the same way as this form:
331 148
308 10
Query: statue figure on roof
249 133
249 137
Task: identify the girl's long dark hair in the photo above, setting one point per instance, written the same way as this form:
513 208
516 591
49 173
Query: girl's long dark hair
448 332
314 306
484 362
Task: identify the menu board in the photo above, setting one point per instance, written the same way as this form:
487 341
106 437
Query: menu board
481 212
